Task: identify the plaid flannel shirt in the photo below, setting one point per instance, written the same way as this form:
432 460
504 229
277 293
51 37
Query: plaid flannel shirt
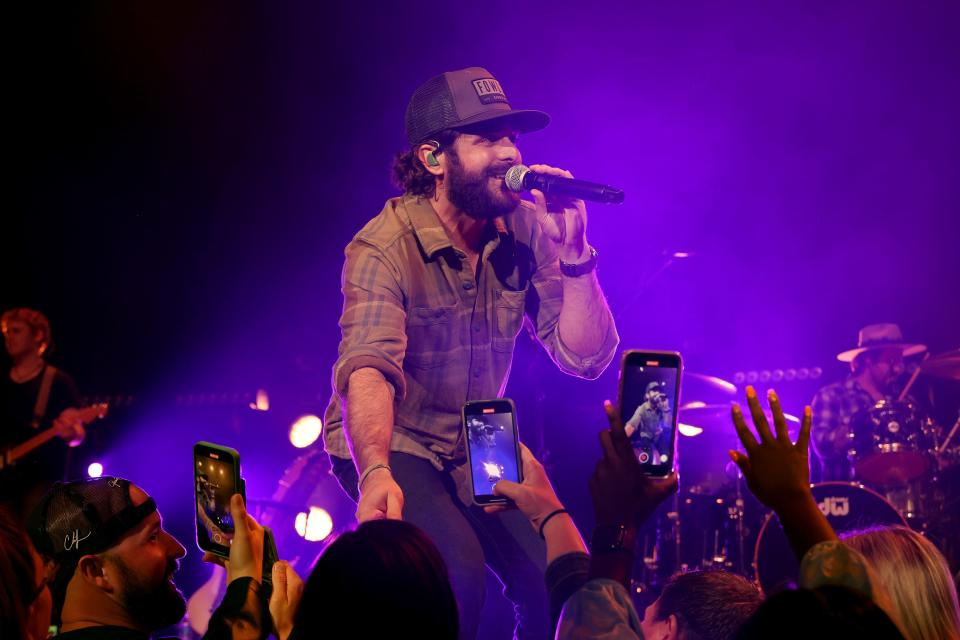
414 311
833 407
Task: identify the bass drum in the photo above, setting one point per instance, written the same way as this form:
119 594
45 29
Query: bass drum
848 506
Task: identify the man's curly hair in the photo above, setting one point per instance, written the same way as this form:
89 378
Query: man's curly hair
411 176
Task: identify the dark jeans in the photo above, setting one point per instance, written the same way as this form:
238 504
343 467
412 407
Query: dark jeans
468 539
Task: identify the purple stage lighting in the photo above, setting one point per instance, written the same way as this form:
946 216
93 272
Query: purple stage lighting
95 470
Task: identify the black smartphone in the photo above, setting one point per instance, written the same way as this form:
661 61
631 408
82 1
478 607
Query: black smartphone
649 396
216 474
493 446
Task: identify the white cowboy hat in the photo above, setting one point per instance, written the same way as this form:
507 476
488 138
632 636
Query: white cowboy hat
878 336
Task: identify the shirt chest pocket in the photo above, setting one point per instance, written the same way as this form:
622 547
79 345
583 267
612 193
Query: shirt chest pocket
509 306
431 336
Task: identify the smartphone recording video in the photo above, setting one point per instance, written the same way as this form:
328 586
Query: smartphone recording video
216 478
493 447
649 397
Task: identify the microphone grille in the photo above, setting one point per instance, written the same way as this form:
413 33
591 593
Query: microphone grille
514 177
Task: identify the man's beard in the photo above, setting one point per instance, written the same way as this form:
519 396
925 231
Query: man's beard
473 194
152 606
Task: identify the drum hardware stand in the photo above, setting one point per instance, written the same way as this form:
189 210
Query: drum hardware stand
673 518
946 441
913 378
741 534
650 556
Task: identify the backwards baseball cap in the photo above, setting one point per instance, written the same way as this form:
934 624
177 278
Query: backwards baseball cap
458 99
82 517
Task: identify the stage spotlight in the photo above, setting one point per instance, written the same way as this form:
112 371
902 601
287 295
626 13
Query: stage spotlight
688 430
313 526
305 431
262 401
95 470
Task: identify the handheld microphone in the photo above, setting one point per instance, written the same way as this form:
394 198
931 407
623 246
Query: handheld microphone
521 178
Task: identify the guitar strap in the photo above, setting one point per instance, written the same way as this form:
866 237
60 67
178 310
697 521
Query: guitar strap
40 409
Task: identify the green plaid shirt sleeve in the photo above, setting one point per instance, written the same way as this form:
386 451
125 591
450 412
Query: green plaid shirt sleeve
373 320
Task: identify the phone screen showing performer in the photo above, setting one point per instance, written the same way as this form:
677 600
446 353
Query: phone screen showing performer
649 397
493 447
216 471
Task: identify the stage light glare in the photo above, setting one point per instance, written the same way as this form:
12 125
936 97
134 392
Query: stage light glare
688 430
95 470
305 431
313 526
262 401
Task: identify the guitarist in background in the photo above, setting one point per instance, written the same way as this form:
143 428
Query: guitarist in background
34 396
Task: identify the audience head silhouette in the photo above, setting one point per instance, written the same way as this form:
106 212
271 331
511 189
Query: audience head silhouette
701 605
395 570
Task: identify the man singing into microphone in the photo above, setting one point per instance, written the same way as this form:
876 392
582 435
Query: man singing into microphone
436 288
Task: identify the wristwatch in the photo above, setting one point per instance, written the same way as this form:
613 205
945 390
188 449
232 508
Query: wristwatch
613 538
582 269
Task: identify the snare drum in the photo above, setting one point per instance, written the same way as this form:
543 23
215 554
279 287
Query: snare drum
848 506
891 443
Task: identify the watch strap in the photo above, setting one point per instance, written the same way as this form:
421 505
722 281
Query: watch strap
607 539
581 269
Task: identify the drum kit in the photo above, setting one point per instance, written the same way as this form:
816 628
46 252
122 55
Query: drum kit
906 471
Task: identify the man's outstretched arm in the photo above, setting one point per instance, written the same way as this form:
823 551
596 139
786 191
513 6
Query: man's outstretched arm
368 374
368 424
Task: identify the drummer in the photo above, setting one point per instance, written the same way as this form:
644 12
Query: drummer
875 366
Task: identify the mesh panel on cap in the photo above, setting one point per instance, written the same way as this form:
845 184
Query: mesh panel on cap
430 110
77 509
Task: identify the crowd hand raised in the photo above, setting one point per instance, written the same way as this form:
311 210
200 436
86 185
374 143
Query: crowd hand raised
622 493
69 427
380 498
777 470
534 497
287 589
246 550
562 219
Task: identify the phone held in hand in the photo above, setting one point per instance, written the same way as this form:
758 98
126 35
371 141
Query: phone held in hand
493 446
648 398
216 472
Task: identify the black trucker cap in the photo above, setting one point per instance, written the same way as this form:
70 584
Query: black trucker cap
457 99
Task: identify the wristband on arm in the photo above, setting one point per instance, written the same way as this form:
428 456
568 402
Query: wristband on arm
544 522
369 470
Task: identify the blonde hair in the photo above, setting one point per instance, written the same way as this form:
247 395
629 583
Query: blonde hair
917 578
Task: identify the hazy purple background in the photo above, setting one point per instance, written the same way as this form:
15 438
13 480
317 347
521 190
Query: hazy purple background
187 176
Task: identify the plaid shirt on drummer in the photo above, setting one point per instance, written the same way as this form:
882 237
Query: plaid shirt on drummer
833 407
413 310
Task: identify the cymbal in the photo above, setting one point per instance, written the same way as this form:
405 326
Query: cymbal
718 384
945 365
695 417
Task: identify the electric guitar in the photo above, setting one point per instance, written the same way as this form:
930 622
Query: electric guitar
87 415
